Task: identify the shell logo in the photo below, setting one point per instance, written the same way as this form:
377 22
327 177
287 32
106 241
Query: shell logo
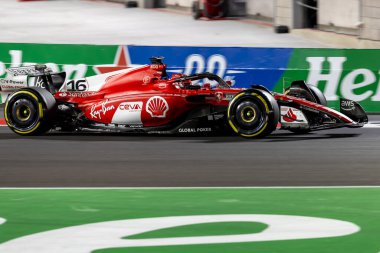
157 107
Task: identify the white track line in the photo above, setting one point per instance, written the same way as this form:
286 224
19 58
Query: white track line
372 125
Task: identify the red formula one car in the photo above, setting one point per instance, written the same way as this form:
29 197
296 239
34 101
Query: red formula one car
145 100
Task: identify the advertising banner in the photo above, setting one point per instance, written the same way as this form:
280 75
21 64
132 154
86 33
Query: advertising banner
348 73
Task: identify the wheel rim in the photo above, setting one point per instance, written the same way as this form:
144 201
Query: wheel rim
22 112
248 114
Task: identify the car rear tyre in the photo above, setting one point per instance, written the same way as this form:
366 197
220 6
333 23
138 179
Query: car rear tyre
253 113
30 111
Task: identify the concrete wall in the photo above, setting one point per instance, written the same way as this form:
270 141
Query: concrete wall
260 8
181 3
339 15
283 13
254 7
371 20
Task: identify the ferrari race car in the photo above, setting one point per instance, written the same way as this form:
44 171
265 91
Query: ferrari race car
145 100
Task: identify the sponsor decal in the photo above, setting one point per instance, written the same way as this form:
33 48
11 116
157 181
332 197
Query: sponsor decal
195 130
135 125
309 109
10 82
77 94
157 107
347 105
40 83
219 96
111 76
290 116
229 97
97 113
128 113
158 67
9 87
162 85
22 71
146 79
131 106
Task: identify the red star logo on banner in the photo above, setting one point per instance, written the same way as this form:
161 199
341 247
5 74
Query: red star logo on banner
121 62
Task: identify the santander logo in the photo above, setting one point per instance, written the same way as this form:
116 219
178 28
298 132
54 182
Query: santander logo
290 116
157 107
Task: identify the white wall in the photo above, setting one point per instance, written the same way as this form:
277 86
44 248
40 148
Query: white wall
284 13
371 20
182 3
264 7
341 13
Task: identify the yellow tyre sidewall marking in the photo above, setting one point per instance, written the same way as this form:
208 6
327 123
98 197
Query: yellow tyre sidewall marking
243 117
40 109
228 112
266 110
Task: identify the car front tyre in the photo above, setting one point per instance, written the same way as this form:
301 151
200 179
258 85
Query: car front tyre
253 113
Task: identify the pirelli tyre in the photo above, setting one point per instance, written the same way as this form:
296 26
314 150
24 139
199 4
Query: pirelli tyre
30 111
253 113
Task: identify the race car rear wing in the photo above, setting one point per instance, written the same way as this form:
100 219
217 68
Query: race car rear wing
33 70
38 76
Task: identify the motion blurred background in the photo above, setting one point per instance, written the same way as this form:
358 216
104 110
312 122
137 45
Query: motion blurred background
356 21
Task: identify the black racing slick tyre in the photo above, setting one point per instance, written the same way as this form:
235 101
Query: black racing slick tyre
253 113
315 96
321 99
30 111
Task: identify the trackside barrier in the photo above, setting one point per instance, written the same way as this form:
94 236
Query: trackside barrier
349 73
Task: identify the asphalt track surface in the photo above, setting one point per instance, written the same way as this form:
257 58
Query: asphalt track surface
326 158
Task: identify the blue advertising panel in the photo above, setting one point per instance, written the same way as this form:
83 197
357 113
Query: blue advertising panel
242 66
